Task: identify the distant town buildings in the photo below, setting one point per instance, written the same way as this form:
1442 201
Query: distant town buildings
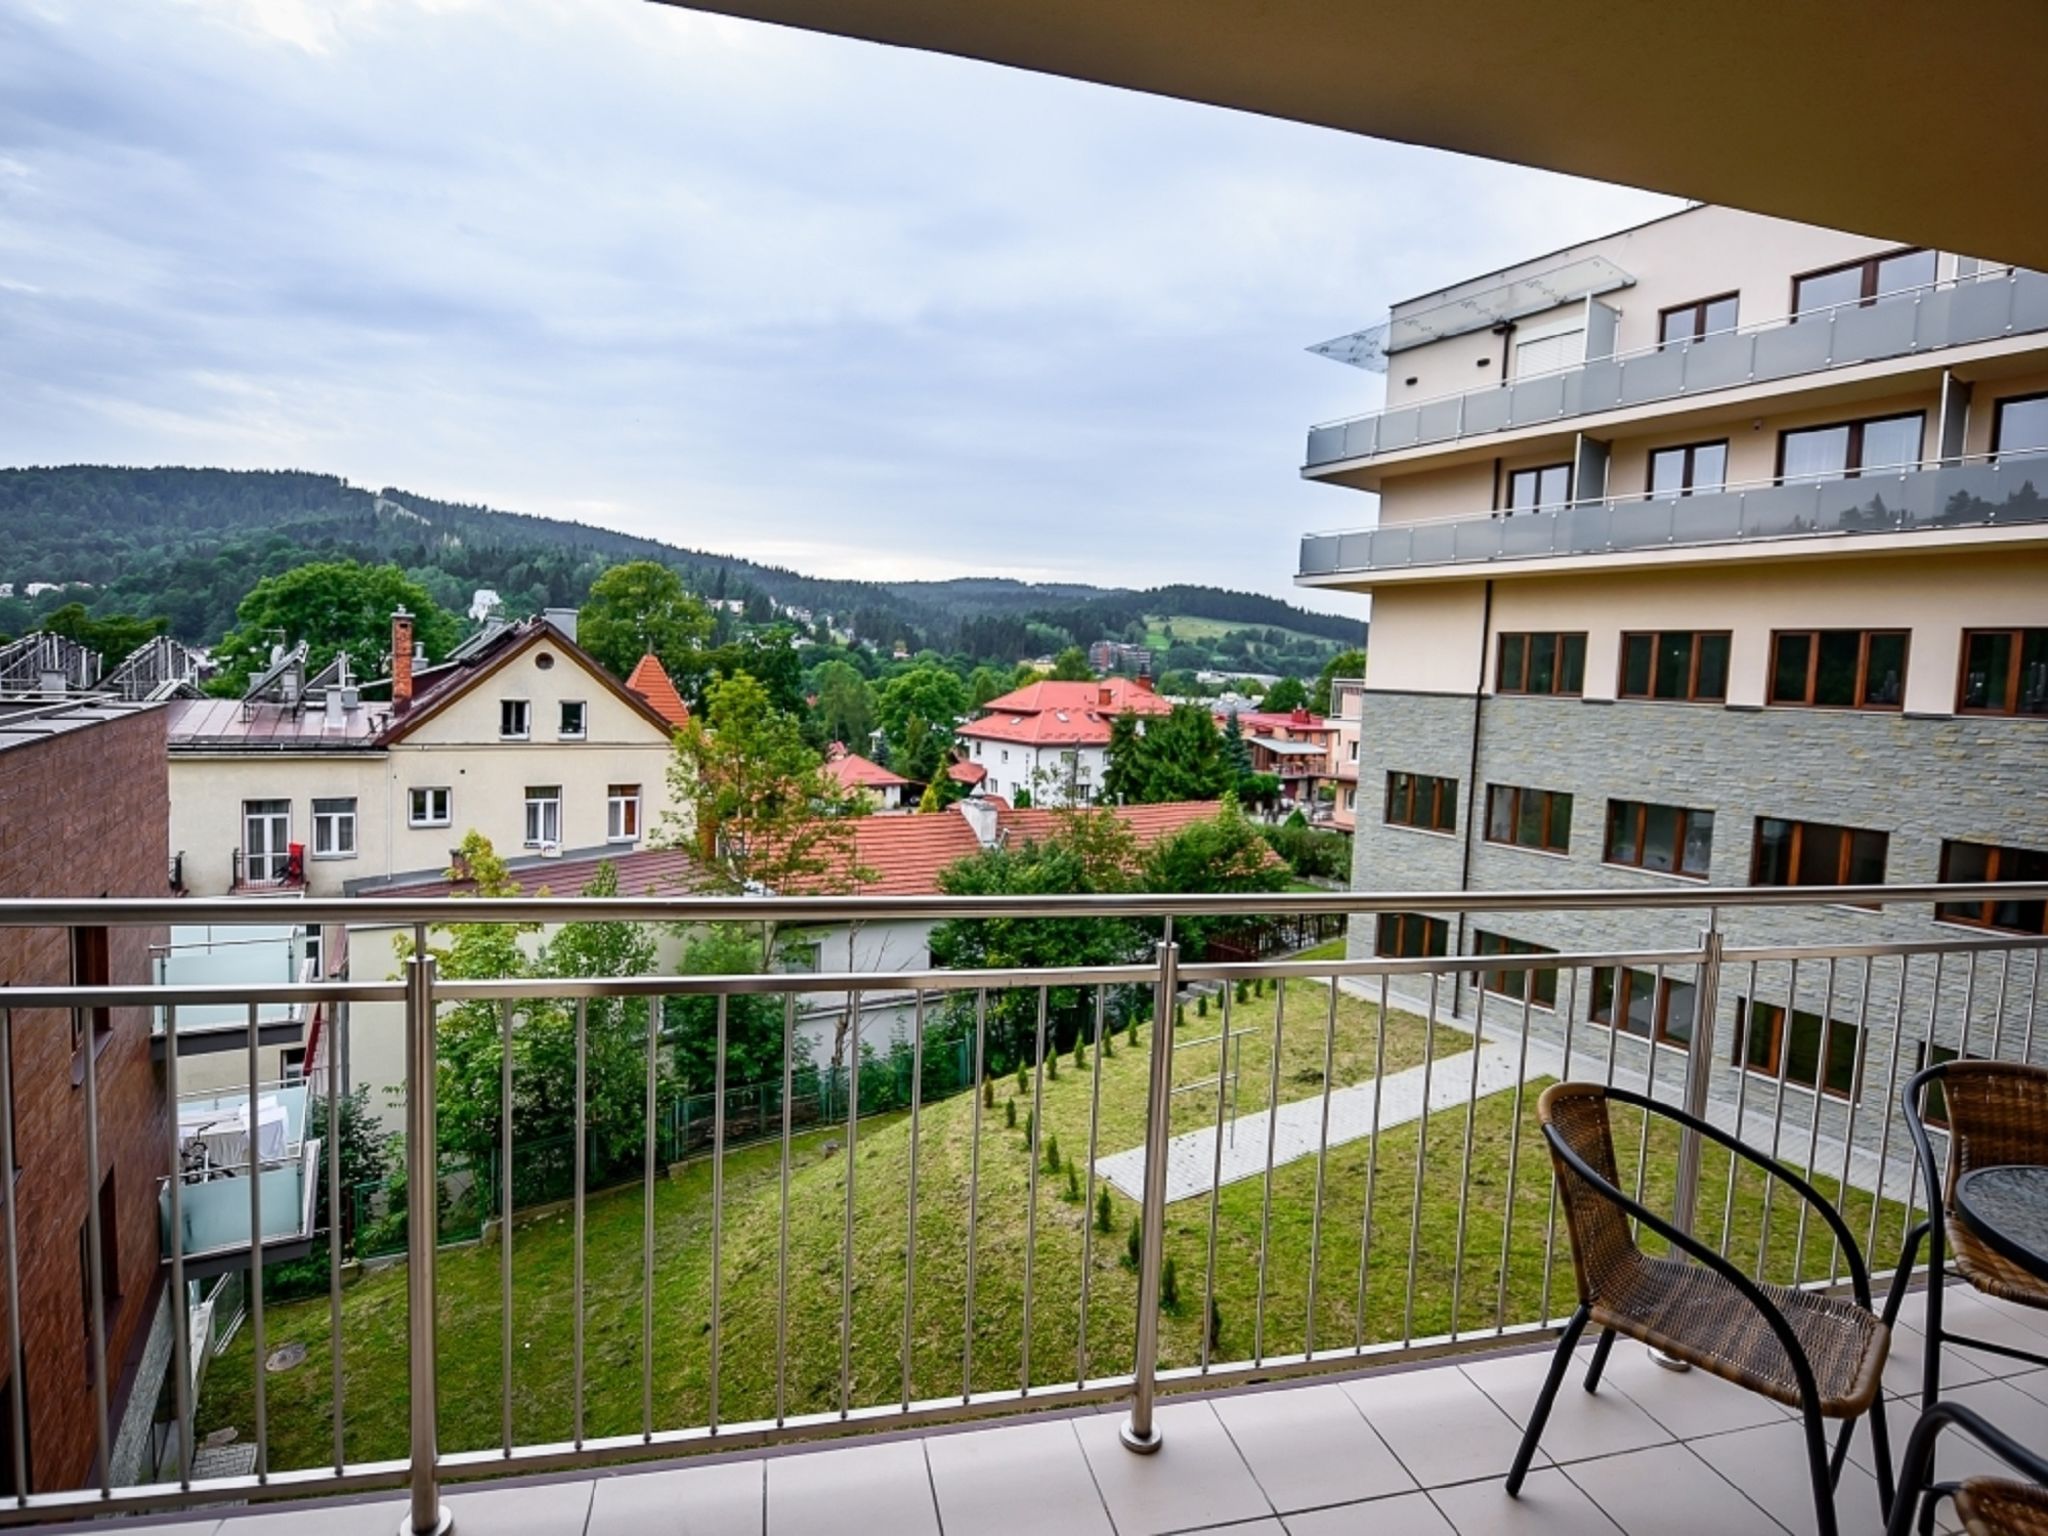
1115 656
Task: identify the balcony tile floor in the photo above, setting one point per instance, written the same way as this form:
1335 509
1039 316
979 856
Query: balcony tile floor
1417 1452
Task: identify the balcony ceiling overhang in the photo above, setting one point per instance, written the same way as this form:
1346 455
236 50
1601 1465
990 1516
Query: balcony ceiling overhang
1752 103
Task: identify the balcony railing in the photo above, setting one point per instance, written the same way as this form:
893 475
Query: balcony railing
942 1261
222 1143
1952 313
2009 490
262 872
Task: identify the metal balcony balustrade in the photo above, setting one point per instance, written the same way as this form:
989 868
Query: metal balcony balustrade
1951 313
1983 491
1422 1042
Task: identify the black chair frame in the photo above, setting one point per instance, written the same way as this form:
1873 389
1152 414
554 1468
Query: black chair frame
1917 1489
1824 1468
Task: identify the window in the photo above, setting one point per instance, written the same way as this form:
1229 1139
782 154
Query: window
430 807
1980 862
1549 486
1815 853
798 957
291 1064
2020 425
1861 282
622 813
2005 672
1765 1043
1422 800
1693 469
1666 838
91 966
1839 668
1411 936
266 839
515 719
334 829
1529 818
1675 664
1644 1008
574 713
543 814
1851 448
1541 663
1514 983
1690 322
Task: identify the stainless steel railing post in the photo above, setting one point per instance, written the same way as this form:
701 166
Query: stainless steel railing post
428 1516
1139 1433
1699 1071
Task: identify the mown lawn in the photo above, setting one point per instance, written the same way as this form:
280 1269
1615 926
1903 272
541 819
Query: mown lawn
1065 1247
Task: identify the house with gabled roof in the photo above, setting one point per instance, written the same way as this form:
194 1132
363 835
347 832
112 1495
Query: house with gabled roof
1047 743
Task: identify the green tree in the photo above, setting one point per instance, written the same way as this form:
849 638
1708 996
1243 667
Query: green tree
1071 666
113 635
1179 756
1221 854
985 683
1237 752
640 607
1343 664
753 1021
919 708
845 707
333 606
1285 695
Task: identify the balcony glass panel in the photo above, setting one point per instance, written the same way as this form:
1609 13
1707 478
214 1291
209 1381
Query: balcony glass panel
1652 376
1486 411
1481 538
1791 349
1640 525
1705 519
2030 301
1433 543
1884 329
1398 429
1717 362
1534 534
1536 400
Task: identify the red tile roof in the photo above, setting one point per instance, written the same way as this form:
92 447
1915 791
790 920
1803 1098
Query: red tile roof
1148 823
1111 696
1249 720
852 771
651 681
642 872
1055 727
966 773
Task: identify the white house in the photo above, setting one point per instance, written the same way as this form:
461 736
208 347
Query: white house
1047 743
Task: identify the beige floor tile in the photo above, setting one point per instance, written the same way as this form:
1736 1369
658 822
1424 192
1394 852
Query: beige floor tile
1671 1492
877 1487
1195 1478
1550 1505
1581 1423
724 1499
545 1509
1903 1368
1686 1403
1769 1466
1441 1426
1310 1446
1405 1514
1016 1480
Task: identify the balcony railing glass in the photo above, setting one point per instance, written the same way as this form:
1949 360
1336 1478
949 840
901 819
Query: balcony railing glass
1980 307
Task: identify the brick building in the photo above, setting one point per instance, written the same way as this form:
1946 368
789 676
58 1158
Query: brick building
57 841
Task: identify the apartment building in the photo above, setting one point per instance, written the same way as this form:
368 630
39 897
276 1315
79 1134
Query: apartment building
1346 719
1714 550
1296 747
1047 743
307 785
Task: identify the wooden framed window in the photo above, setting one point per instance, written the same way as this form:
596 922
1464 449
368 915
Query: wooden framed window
1974 863
2020 425
1539 986
1839 668
1422 800
1668 839
1634 1002
1845 449
1683 665
1691 322
1529 818
1411 936
1548 485
2005 672
1687 469
1816 853
1862 282
91 966
1541 663
1813 1052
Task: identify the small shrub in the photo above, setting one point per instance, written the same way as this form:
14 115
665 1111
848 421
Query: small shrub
988 1093
1023 1078
1180 1015
1134 1244
1244 992
1202 1006
1073 1185
1169 1286
1052 1151
1030 1129
1103 1213
1137 1040
1215 1326
1080 1055
1010 1114
1052 1067
1109 1046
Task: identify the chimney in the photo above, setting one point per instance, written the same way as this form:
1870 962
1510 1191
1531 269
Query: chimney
980 816
401 661
1299 717
1103 697
1142 682
564 621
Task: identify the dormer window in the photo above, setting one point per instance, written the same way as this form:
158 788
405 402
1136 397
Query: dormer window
515 719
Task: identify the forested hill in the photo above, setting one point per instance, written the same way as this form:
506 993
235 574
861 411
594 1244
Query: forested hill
188 543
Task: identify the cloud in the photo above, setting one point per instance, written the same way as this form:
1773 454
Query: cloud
843 307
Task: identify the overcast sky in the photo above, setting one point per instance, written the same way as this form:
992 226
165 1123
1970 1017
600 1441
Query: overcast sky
850 309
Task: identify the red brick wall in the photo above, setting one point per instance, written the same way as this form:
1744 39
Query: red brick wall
85 813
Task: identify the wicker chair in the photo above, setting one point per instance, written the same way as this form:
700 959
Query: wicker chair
1986 1506
1997 1115
1820 1355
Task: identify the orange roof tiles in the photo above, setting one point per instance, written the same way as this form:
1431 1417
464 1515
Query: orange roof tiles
651 681
852 771
1110 696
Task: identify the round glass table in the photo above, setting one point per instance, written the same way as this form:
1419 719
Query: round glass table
2008 1208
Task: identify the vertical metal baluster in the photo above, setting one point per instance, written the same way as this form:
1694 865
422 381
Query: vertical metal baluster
1465 1155
1315 1231
846 1240
1763 1235
910 1226
1649 1073
1746 1006
582 1176
1216 1176
1926 1050
1507 1220
973 1188
426 1513
1139 1434
84 1030
1856 1078
181 1308
648 1176
1266 1200
1421 1155
1969 1007
718 1208
1372 1162
1031 1189
2033 1006
505 1219
1088 1190
782 1230
1891 1101
333 1151
1571 1012
1998 1015
1827 1031
18 1417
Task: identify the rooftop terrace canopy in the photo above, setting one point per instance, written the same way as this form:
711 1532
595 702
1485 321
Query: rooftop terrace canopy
1883 118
